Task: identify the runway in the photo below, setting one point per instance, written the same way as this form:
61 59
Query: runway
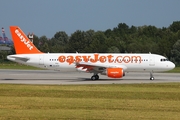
10 76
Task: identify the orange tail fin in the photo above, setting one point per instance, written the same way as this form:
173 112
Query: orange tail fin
22 43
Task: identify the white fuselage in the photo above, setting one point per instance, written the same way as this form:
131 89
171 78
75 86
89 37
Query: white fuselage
66 61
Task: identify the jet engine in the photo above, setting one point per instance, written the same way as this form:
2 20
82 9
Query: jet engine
114 72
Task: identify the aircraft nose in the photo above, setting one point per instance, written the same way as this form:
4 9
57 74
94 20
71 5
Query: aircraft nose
172 65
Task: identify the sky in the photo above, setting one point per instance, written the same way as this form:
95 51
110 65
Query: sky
46 17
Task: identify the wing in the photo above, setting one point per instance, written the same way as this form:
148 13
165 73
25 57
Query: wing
96 67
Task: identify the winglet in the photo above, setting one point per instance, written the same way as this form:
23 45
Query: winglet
22 43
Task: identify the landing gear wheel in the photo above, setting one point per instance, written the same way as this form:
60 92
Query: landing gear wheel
95 77
151 76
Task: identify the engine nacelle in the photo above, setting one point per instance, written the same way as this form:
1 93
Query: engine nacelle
114 72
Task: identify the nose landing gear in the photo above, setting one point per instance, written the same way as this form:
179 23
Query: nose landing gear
151 76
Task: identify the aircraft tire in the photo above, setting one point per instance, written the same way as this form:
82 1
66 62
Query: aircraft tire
93 78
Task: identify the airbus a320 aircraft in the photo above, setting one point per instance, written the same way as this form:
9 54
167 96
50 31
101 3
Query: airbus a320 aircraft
112 65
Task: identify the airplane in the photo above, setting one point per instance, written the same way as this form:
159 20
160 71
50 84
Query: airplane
111 65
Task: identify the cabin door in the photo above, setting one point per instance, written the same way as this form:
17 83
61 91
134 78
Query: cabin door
41 60
151 60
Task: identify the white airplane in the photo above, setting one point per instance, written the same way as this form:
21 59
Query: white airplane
112 65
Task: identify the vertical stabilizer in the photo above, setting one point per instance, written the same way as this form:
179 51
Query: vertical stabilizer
22 44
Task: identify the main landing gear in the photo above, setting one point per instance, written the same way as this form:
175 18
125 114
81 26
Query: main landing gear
95 77
151 76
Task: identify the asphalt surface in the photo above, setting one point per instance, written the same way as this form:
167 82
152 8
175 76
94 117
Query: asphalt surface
56 78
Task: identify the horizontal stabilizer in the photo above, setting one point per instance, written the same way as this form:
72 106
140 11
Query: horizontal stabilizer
19 57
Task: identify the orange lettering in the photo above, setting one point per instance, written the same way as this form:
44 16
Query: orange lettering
78 58
119 61
95 58
70 59
61 58
102 59
128 60
109 58
86 58
136 58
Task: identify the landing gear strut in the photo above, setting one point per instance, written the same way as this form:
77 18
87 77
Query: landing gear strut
151 76
95 77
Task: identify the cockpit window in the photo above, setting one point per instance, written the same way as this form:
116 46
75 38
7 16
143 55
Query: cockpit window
164 60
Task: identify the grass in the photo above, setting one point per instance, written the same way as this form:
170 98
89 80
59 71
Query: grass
175 70
17 66
138 101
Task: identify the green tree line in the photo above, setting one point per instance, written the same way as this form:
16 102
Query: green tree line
121 39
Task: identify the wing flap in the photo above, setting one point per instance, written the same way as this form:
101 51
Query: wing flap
98 67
